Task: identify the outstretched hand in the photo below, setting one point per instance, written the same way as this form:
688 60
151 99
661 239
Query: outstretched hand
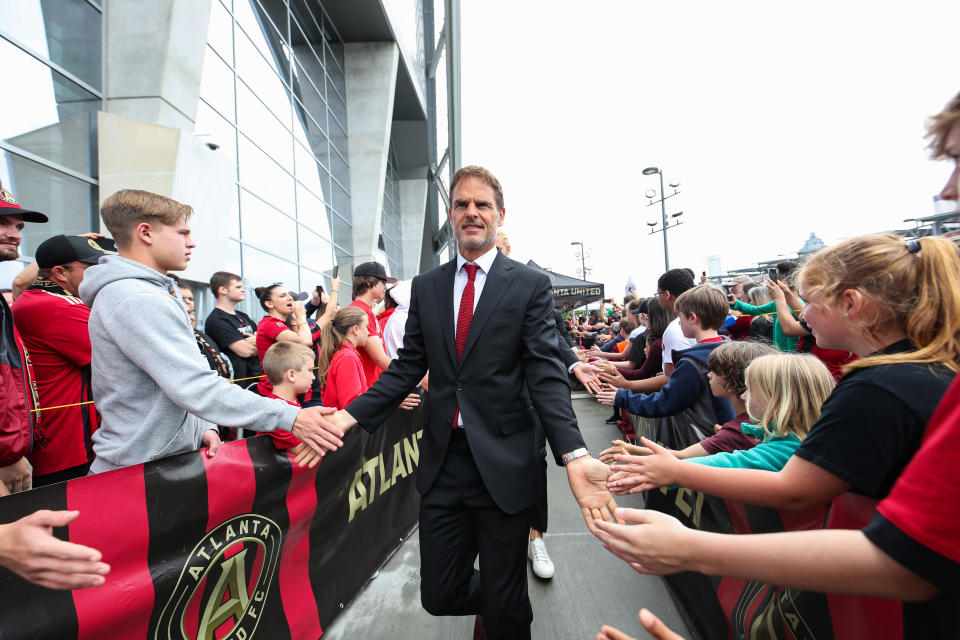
589 376
588 477
29 549
304 456
320 433
633 474
608 396
659 544
621 447
650 622
613 377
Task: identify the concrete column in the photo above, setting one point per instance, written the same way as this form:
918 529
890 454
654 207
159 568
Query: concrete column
413 205
155 58
172 163
370 71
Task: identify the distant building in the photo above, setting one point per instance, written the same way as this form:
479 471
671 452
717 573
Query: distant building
812 245
305 133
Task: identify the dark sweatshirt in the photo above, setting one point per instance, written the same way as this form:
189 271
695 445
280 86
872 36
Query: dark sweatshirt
687 382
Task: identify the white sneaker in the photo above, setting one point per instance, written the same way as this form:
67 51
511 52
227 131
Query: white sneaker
542 564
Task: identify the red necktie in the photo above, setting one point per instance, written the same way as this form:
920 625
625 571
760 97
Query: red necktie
463 319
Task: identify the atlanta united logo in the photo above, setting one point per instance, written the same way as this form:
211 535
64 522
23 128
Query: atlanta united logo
223 586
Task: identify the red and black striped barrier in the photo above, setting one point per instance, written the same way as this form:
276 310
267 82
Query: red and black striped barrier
718 608
245 544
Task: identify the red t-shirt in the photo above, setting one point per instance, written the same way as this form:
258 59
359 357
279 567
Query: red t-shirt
54 331
283 439
834 359
919 505
345 377
375 332
384 316
267 331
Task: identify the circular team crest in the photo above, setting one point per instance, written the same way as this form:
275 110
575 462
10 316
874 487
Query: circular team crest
223 587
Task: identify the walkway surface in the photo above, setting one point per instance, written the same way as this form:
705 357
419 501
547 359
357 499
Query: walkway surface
591 586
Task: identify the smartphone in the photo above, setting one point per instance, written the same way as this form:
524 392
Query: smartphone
320 289
772 274
336 271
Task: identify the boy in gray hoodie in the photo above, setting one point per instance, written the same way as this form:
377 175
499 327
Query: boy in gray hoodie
156 394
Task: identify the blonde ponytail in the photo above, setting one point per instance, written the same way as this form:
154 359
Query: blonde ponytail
915 286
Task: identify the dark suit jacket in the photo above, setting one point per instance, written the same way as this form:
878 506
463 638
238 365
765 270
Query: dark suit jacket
510 374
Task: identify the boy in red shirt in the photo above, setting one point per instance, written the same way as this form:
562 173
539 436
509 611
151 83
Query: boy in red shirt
369 287
289 368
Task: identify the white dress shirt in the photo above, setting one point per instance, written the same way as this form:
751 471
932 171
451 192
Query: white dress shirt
483 263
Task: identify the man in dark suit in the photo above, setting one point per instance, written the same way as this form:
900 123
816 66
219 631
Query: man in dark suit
483 325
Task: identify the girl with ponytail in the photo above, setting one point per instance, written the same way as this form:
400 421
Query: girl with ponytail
894 303
340 370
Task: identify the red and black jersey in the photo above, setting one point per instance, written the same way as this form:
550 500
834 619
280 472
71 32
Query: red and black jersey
53 327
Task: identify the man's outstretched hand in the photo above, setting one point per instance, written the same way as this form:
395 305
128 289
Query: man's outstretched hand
588 481
589 377
321 429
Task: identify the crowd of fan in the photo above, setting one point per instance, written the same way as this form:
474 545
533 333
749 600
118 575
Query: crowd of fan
821 379
830 378
305 350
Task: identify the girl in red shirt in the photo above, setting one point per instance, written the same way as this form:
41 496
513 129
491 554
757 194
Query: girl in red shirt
340 370
273 327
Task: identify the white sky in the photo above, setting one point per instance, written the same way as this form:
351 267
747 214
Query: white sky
778 119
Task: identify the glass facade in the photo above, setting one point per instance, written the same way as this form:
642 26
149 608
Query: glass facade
390 230
272 97
272 103
51 53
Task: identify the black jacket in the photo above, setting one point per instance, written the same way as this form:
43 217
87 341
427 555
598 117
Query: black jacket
508 380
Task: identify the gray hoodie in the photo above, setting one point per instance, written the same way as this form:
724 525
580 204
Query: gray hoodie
152 385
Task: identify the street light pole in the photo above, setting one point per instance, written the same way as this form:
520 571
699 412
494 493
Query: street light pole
649 171
583 264
663 215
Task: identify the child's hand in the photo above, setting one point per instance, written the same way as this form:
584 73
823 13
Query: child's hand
614 379
305 456
412 401
607 396
660 469
717 428
619 446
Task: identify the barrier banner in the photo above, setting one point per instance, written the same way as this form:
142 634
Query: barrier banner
720 608
243 545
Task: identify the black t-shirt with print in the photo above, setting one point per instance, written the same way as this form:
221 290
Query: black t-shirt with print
225 329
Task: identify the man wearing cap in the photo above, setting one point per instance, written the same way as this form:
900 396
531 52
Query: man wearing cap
20 429
53 323
736 287
369 286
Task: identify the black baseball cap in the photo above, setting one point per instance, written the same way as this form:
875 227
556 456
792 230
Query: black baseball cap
374 269
10 207
60 250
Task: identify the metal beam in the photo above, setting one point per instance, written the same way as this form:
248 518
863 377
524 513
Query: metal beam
453 80
438 51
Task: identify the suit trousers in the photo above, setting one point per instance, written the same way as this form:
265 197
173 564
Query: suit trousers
459 521
541 509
